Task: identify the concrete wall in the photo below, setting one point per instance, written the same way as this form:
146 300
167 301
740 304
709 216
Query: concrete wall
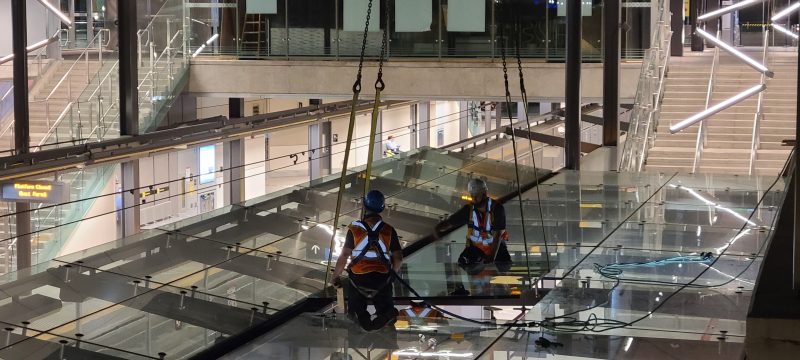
405 80
41 24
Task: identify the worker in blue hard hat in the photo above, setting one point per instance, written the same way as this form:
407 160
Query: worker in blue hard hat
374 250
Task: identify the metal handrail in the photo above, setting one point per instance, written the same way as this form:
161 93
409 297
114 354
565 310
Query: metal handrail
702 132
55 124
98 36
756 137
160 56
644 115
84 54
110 72
31 48
655 109
10 91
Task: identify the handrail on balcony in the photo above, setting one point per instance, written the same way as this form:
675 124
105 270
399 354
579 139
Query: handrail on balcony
10 123
756 141
98 38
33 47
649 90
702 132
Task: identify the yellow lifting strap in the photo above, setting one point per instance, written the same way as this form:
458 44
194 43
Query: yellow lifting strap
379 86
351 126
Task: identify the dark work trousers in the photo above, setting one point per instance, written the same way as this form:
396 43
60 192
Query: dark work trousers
502 253
357 302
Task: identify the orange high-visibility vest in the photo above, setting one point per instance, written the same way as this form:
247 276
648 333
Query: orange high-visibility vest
422 312
375 258
479 233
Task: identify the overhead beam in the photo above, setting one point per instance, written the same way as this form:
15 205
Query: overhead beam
166 139
551 139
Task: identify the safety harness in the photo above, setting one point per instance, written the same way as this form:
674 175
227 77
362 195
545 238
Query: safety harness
372 248
373 245
412 314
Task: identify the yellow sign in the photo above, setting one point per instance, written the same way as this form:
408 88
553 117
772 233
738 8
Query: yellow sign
33 191
592 206
153 192
685 8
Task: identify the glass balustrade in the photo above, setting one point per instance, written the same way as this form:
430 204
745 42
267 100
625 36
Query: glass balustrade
282 29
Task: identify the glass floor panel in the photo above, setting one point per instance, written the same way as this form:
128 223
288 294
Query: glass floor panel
179 288
320 336
524 345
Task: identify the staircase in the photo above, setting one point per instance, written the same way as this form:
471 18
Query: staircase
84 95
729 133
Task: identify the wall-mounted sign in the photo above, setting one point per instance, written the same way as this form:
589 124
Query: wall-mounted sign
34 191
154 191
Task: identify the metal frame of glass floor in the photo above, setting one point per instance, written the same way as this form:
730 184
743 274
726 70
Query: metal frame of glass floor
184 290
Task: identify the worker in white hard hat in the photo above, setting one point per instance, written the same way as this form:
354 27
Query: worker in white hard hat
486 233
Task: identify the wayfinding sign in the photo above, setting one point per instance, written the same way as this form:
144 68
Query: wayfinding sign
33 191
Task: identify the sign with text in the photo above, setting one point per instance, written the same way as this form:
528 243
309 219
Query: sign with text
34 191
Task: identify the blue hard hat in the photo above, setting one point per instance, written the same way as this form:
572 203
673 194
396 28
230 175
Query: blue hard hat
374 201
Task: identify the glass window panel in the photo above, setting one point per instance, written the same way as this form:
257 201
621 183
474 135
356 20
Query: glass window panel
413 16
466 15
262 6
355 15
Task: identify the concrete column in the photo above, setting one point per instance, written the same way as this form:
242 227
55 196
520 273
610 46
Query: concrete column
266 159
694 11
71 31
463 120
130 221
712 25
233 175
319 142
572 95
414 126
90 20
521 111
424 124
498 119
21 122
676 23
314 144
128 68
377 150
611 41
487 116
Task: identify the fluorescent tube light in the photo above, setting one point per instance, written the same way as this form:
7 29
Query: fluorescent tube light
64 19
212 39
727 9
717 108
754 64
786 11
199 50
785 30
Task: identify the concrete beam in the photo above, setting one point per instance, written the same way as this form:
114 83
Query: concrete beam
406 80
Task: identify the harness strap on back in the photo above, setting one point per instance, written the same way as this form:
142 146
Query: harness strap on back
373 237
